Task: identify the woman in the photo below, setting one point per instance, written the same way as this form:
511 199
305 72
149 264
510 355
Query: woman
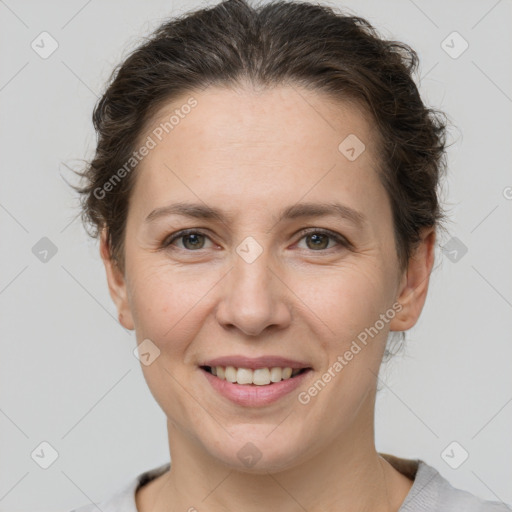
265 193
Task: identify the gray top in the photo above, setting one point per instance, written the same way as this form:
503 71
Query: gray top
430 492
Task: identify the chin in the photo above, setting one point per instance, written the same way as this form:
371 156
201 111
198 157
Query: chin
258 449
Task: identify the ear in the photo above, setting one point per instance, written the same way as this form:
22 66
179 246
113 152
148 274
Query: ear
116 284
414 285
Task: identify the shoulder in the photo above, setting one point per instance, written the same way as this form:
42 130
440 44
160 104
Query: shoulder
432 492
123 499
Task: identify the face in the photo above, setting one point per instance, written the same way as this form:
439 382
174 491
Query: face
288 261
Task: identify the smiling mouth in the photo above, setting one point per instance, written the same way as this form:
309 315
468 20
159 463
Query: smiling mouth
256 377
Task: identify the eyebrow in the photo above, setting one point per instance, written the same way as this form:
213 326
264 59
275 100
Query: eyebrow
299 210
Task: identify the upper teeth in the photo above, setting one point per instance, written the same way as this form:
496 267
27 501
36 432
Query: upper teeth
260 376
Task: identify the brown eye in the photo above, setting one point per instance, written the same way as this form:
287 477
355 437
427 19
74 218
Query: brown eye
191 240
318 240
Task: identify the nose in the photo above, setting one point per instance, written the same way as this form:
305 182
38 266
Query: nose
254 298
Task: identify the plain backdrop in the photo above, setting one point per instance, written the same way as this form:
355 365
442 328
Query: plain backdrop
68 376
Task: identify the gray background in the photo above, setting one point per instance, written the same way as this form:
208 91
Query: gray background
68 374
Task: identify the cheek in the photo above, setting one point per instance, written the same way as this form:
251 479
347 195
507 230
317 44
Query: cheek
344 300
169 309
345 305
168 304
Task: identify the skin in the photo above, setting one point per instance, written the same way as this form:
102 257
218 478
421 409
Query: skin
251 153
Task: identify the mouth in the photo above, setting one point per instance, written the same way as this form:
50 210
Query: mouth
254 382
266 376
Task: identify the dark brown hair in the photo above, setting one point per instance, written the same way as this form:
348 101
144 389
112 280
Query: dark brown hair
272 44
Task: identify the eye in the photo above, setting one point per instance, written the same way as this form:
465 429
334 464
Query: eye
319 239
192 239
316 240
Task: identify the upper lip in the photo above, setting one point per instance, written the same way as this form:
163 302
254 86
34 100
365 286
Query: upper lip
254 363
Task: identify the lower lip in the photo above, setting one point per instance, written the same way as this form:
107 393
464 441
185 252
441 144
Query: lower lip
251 395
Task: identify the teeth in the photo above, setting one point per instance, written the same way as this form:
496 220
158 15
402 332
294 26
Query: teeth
230 373
276 374
244 376
259 377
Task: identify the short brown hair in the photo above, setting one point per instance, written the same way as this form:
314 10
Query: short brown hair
277 43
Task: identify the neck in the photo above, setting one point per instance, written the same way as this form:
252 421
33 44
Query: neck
347 476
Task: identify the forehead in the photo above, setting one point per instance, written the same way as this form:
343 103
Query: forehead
256 144
245 116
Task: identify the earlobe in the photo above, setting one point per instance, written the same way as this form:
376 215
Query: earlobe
116 284
414 285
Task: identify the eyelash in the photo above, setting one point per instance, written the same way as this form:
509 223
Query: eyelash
341 240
